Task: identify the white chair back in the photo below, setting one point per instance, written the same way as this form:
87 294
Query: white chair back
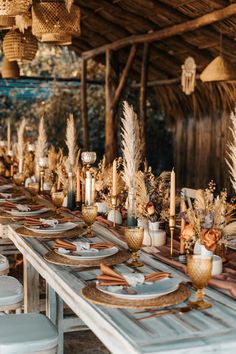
188 194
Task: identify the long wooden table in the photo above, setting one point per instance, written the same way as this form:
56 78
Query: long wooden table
210 331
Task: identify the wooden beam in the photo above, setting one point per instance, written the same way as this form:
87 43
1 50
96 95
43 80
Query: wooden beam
84 110
110 124
176 80
124 76
178 29
143 96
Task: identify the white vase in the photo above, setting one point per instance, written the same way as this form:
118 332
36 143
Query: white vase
115 216
102 207
217 266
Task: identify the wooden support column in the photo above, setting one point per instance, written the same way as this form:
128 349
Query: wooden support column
31 288
110 123
143 96
84 110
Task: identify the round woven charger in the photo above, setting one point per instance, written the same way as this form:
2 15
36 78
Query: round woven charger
92 294
58 259
76 232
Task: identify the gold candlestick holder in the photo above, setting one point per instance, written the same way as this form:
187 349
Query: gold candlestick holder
114 200
172 230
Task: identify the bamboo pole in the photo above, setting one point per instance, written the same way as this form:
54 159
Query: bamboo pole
191 25
84 110
143 96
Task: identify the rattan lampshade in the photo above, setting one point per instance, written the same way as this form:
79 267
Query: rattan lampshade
219 69
6 22
51 22
14 7
10 69
20 46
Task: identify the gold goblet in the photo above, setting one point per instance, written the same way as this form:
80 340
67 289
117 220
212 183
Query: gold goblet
199 269
33 188
19 179
89 214
134 239
58 199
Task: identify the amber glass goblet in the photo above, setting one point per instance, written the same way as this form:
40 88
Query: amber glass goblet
89 214
199 269
134 239
19 179
58 199
33 188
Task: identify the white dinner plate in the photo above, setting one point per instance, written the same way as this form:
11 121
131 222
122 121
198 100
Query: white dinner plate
232 244
88 255
143 291
16 199
5 187
26 213
52 230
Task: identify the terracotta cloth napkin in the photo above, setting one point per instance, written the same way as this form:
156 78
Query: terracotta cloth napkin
110 277
37 222
227 280
72 247
12 206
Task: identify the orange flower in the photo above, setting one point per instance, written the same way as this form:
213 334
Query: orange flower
188 233
210 237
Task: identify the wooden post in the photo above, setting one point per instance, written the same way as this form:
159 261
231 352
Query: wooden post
84 111
31 288
110 124
143 96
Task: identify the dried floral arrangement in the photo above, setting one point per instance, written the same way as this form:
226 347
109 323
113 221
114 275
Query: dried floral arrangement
210 220
103 182
152 195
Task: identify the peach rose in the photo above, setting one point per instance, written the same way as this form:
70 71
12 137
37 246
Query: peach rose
210 237
188 233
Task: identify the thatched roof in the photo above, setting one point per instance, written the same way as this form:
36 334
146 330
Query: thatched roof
103 22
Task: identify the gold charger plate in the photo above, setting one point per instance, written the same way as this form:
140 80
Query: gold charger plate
58 259
92 294
76 232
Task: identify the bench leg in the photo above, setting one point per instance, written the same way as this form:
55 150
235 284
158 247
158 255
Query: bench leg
31 288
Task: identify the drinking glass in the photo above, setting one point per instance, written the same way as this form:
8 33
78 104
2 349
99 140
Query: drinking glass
33 188
134 239
89 214
199 269
58 199
19 179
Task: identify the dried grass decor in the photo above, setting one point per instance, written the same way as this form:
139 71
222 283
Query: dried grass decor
14 7
51 22
20 46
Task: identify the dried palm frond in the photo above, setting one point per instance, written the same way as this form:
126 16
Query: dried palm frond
231 160
142 196
69 3
229 229
71 143
200 200
41 145
20 139
131 145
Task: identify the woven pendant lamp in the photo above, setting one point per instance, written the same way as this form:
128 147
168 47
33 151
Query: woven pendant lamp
219 69
13 8
51 22
6 22
20 46
10 69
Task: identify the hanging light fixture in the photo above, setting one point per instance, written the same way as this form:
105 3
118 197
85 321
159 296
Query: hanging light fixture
13 8
52 22
20 46
219 69
10 69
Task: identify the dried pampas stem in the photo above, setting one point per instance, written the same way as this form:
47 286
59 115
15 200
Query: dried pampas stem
41 146
231 160
71 143
20 138
131 143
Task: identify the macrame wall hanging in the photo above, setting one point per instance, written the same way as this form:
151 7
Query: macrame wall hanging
188 79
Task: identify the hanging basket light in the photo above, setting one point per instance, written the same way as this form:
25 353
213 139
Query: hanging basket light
20 46
13 8
6 22
219 69
10 69
51 22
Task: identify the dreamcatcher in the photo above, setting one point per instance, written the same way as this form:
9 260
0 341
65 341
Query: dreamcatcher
188 78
